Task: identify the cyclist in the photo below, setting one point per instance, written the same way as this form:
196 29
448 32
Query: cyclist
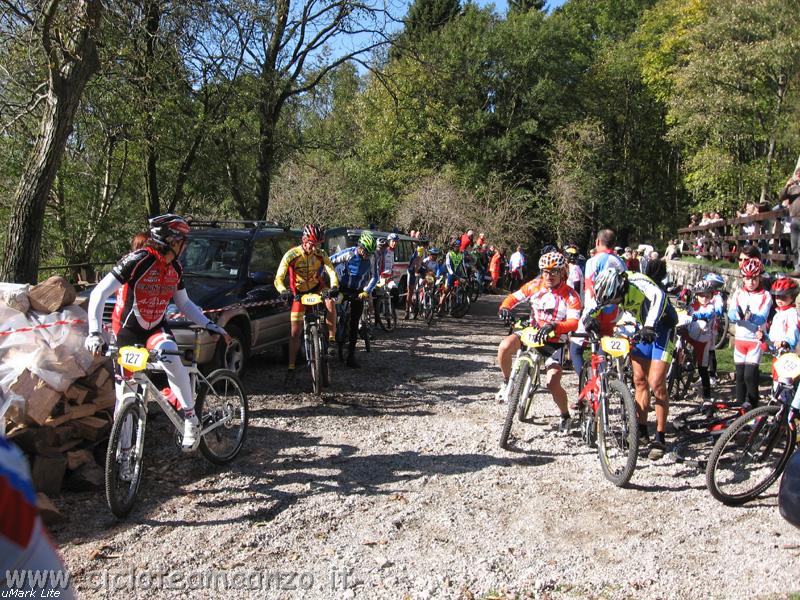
24 543
748 309
575 275
647 304
357 278
304 265
719 307
699 332
555 310
783 331
454 264
145 280
412 272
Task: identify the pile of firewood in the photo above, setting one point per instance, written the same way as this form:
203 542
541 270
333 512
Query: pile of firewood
56 398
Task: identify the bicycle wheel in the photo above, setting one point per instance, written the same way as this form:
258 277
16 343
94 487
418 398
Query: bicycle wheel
364 330
326 365
315 358
222 403
617 433
749 456
524 409
517 384
721 415
127 432
342 328
387 315
460 304
722 332
427 307
474 290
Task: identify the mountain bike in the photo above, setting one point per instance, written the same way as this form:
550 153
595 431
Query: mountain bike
386 314
343 311
699 429
682 371
606 407
424 301
220 404
524 380
315 340
753 451
458 301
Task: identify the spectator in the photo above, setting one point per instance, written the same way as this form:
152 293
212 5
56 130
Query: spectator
657 270
693 221
466 240
672 252
631 261
791 192
516 266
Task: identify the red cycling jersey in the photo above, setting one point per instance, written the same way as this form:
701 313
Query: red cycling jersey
148 283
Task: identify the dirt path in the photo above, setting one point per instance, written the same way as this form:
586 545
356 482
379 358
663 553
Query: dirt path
396 488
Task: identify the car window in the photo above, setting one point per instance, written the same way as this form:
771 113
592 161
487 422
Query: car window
214 258
265 258
285 243
336 244
404 251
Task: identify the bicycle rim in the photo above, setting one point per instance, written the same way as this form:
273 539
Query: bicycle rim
315 360
517 384
749 456
617 433
128 428
223 399
722 333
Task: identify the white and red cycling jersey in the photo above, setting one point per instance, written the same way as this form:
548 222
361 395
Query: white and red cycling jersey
148 284
560 305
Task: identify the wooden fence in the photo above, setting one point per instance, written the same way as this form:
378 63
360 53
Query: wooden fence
724 239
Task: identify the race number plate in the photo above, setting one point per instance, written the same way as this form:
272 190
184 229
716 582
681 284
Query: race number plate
528 337
311 299
133 358
788 366
615 346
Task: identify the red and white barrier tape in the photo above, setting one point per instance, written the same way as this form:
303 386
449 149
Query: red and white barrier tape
170 316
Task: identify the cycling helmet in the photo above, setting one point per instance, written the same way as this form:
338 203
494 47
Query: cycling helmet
751 267
393 237
716 279
382 243
433 251
367 242
456 244
313 233
166 229
784 286
610 286
552 260
789 492
548 248
704 287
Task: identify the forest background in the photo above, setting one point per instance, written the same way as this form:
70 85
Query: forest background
535 123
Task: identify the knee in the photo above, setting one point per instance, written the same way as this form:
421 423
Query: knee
639 380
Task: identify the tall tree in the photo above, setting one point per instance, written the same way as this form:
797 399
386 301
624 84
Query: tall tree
66 31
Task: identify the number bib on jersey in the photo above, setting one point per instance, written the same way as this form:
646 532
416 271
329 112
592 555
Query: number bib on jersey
615 346
311 299
133 358
788 366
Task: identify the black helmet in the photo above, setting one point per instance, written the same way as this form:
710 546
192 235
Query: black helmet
166 229
789 492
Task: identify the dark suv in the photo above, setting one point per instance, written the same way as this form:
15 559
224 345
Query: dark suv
229 271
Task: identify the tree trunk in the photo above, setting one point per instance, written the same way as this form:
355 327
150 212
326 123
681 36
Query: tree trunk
266 163
68 78
152 200
771 148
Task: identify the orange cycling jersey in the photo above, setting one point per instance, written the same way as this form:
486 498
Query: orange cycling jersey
304 270
560 305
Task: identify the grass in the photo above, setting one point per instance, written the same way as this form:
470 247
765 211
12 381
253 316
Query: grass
724 264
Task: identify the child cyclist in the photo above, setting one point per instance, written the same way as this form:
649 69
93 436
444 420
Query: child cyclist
700 332
748 309
783 332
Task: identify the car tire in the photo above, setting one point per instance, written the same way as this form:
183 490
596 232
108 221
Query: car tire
235 356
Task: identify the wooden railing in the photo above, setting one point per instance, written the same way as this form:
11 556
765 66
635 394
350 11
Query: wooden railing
724 239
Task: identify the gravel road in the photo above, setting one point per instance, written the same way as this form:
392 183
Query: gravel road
395 487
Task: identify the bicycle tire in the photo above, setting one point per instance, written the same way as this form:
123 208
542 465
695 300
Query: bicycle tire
460 305
524 409
315 360
326 364
623 433
364 331
387 314
759 426
723 414
695 448
586 417
122 504
428 307
722 332
228 391
342 328
516 384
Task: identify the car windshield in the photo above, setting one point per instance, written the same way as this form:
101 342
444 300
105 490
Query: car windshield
220 259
